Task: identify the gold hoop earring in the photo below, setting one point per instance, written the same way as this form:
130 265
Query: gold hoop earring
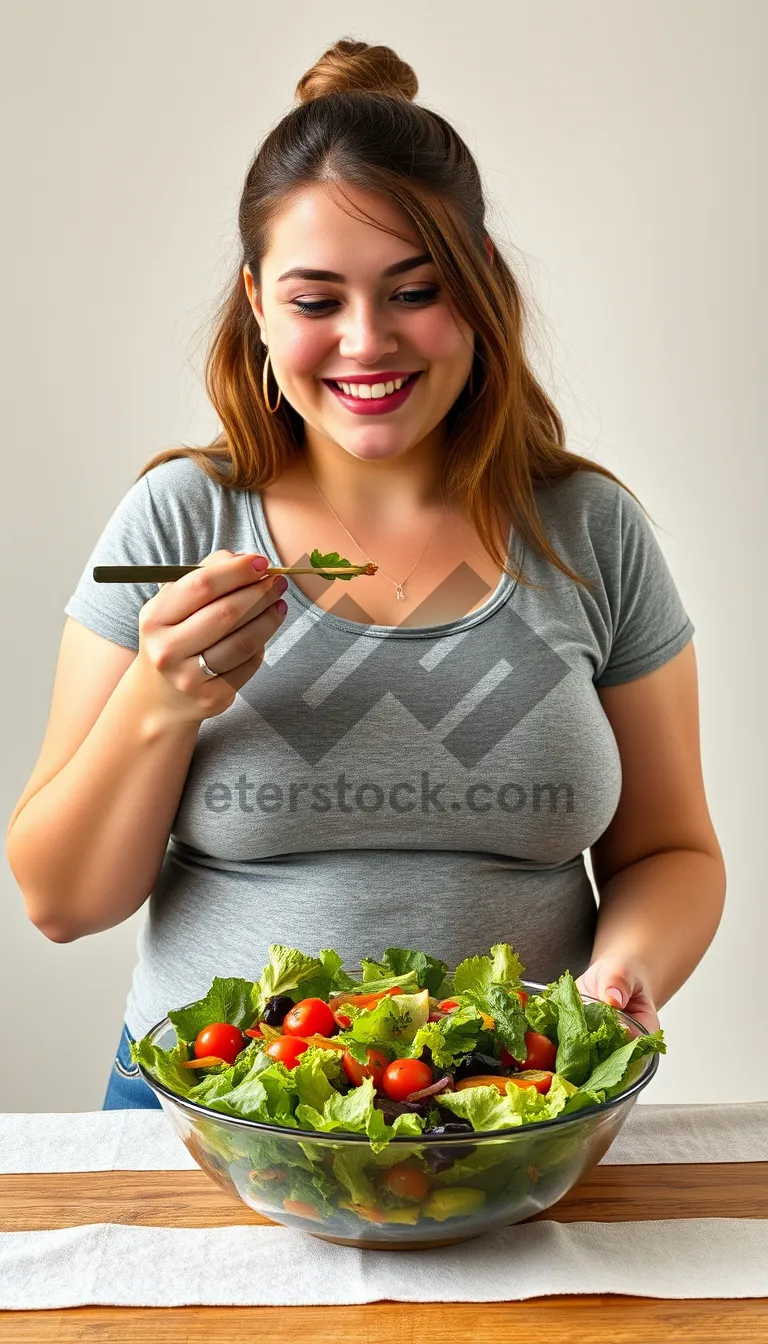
271 409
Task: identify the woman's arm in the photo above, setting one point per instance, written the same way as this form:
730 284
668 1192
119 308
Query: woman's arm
662 913
658 867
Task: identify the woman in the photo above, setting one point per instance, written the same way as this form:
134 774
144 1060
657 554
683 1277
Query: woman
417 758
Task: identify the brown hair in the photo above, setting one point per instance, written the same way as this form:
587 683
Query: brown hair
357 126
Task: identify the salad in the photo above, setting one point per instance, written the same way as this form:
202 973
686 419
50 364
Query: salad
332 560
405 1051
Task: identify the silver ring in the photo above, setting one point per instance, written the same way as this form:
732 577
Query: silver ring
209 672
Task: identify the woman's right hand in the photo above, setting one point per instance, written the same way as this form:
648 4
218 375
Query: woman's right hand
224 610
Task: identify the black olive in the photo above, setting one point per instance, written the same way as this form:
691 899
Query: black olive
451 1127
276 1009
440 1159
475 1063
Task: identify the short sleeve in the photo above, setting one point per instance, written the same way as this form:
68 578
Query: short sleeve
649 623
132 536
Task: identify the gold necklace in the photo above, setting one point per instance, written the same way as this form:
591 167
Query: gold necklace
398 586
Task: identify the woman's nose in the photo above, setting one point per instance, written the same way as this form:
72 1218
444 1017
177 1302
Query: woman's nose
367 333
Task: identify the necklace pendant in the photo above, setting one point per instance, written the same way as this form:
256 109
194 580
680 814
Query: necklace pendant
400 593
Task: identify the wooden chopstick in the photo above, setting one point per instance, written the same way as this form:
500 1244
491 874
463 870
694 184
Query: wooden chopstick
167 573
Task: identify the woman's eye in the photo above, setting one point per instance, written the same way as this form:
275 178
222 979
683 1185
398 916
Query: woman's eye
412 297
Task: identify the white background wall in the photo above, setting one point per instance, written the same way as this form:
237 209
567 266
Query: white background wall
622 147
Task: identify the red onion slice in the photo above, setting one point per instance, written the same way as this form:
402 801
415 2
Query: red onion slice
444 1084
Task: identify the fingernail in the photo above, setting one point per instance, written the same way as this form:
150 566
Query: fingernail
281 606
260 562
616 994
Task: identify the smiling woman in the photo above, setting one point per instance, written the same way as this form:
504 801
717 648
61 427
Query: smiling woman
365 259
422 759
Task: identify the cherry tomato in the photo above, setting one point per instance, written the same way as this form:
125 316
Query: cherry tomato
541 1079
221 1039
286 1049
406 1182
377 1063
404 1076
447 1005
540 1053
302 1210
342 1020
309 1017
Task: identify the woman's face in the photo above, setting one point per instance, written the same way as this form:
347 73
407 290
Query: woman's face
365 323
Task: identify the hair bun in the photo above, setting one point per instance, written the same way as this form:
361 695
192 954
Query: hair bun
355 66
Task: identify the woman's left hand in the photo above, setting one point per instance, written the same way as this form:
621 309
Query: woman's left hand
624 984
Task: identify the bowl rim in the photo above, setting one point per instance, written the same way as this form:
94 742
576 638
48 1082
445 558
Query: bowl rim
346 1136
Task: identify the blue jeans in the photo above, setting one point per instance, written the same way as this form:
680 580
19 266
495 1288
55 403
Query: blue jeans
126 1090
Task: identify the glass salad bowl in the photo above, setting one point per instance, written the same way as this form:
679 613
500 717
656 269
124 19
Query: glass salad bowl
416 1192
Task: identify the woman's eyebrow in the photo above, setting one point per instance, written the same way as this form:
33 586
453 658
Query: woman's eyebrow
307 273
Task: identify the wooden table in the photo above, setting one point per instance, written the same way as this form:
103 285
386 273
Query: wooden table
190 1199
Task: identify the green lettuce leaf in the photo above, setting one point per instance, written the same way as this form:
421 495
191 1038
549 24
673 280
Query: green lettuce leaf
377 982
508 1015
485 1157
267 1091
609 1075
349 1168
316 1187
329 979
541 1012
217 1082
477 974
332 560
230 1001
398 961
165 1065
288 968
317 1075
392 1022
486 1108
592 1041
507 968
265 1094
606 1031
574 1055
450 1038
356 1113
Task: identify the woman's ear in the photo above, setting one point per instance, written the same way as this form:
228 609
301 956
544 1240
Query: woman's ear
252 293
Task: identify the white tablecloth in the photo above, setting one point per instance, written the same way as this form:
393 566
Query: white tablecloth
127 1265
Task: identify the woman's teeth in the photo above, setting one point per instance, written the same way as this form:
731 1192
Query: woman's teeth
368 391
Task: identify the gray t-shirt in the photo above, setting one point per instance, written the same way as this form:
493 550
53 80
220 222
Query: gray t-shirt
431 786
